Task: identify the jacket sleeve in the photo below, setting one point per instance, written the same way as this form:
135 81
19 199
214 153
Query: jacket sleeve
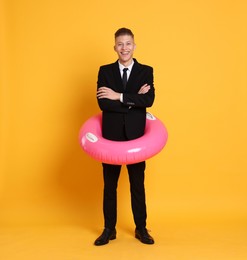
141 100
107 104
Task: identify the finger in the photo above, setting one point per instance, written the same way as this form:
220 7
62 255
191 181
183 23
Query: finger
144 86
101 94
103 89
144 90
100 97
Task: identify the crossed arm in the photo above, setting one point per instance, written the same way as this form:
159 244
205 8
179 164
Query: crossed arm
104 92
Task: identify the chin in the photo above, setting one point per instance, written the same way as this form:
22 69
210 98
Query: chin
125 60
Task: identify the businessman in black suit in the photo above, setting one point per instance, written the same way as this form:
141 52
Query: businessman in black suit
124 91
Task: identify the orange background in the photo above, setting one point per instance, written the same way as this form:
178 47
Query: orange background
50 55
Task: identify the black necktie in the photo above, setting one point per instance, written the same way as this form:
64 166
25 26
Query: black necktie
124 77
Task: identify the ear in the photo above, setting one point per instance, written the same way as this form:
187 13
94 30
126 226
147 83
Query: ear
114 47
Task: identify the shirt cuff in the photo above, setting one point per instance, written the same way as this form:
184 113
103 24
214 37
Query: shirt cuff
121 97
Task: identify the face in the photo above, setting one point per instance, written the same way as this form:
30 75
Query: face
124 47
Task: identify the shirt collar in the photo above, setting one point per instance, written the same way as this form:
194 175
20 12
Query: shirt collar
121 67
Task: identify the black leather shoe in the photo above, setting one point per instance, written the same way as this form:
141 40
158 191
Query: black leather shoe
108 234
143 236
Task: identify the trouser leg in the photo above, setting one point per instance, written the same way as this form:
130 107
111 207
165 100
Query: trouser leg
138 201
111 175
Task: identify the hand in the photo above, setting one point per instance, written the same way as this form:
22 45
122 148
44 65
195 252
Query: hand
104 92
144 89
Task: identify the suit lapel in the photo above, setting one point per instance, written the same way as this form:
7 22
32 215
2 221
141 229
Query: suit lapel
117 77
134 72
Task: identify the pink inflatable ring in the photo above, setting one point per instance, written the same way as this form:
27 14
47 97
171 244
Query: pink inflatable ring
122 152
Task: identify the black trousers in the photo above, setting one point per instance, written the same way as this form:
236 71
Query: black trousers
138 202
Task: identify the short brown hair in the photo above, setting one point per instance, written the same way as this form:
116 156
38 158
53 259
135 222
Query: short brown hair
123 31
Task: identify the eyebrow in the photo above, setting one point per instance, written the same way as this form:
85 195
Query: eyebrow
123 42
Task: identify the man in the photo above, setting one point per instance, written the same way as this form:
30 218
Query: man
123 108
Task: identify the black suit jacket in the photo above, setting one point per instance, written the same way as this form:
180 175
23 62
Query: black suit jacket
125 120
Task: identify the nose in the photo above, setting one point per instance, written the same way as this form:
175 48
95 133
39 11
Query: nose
124 46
